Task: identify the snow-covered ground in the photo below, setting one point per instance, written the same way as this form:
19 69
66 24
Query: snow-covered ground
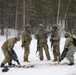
41 67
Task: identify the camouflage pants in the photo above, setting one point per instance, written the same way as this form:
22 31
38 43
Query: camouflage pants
70 53
45 46
56 51
7 57
70 58
26 53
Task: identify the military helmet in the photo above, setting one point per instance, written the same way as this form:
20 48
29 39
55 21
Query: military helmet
18 37
41 26
27 26
67 34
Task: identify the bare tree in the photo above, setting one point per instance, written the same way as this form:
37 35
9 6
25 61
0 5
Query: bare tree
58 12
16 15
65 22
23 14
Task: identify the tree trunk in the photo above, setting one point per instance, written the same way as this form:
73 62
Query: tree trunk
2 30
58 12
23 14
16 20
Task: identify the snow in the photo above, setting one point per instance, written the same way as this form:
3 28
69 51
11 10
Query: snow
45 67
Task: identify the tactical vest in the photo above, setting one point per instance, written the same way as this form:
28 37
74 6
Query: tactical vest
54 34
42 35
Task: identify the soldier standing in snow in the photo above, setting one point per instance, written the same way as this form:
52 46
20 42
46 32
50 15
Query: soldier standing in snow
69 49
26 39
41 35
55 42
7 48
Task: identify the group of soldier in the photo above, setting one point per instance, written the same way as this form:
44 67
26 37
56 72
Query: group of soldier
41 35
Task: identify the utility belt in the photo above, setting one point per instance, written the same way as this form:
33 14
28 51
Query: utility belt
42 40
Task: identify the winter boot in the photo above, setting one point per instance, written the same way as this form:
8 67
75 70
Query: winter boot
5 69
10 64
71 64
2 65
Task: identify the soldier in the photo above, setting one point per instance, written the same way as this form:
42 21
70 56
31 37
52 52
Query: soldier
55 42
7 48
41 35
26 40
69 49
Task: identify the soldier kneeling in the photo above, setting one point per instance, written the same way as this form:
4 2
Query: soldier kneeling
7 49
69 49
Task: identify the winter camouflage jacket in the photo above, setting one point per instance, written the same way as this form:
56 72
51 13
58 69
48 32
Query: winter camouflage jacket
9 44
55 38
42 35
26 37
69 44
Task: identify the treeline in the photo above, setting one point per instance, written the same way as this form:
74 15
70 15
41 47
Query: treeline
16 13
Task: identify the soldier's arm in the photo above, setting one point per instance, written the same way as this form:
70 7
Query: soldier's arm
48 31
23 37
10 47
23 40
56 38
36 35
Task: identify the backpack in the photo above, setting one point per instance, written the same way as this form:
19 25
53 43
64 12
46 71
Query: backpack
74 41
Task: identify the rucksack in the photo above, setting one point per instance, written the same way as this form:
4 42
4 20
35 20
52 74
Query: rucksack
74 41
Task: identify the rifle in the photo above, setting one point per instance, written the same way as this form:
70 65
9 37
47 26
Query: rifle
23 44
14 57
37 46
63 55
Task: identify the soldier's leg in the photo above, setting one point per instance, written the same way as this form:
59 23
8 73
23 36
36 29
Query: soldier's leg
10 62
70 58
54 53
41 51
7 57
46 51
26 53
57 52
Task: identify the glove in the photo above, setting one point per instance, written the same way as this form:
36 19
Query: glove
22 45
51 39
66 49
